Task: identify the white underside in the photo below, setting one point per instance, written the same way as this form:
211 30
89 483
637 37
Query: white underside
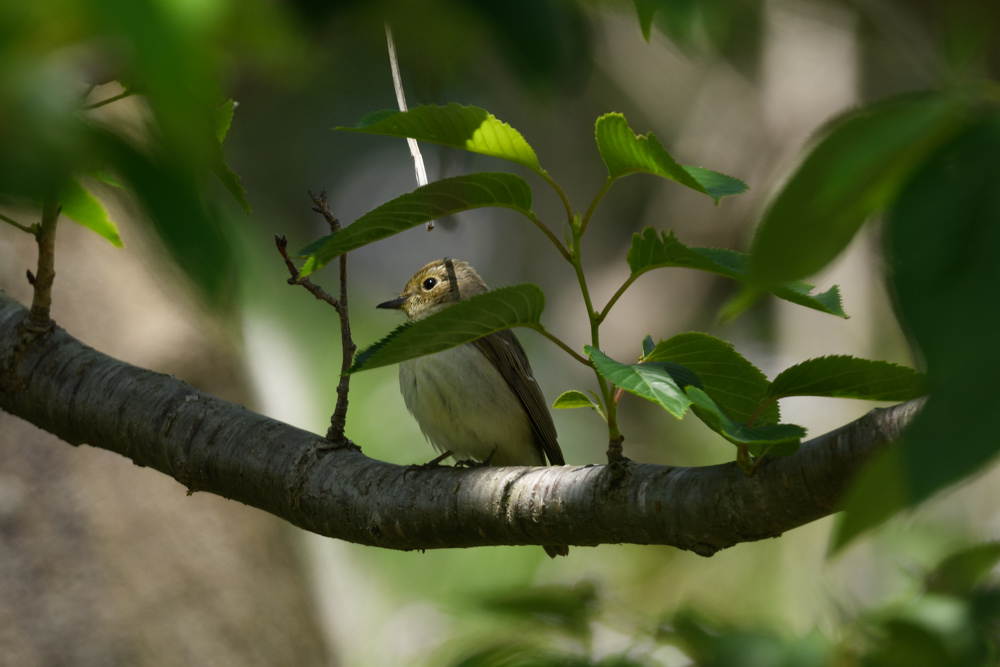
463 404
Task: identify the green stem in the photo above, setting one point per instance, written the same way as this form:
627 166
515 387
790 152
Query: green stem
617 295
562 194
593 204
33 229
530 215
115 98
760 408
576 355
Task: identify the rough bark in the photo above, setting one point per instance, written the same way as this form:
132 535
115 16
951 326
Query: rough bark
207 444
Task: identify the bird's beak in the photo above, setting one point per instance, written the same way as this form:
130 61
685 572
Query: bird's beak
394 303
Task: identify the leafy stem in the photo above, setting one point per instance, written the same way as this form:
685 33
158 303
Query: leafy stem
576 355
31 229
593 205
617 295
548 232
562 193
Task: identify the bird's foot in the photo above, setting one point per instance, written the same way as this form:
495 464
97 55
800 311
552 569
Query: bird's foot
472 463
433 463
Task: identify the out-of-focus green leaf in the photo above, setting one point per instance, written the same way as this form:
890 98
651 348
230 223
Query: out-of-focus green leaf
943 241
856 170
223 116
625 153
660 382
232 183
459 323
80 205
466 127
960 572
652 251
774 439
519 653
568 608
735 384
843 376
429 202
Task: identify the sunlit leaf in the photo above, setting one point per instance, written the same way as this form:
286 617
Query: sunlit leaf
653 251
660 382
856 170
432 201
774 439
735 384
465 127
80 205
626 153
843 376
462 322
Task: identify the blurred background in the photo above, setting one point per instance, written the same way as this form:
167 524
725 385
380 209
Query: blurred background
105 563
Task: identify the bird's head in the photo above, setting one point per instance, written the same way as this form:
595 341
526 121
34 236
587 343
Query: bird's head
436 286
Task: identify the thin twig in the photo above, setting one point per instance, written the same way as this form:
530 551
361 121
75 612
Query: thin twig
282 243
338 421
32 229
38 320
583 360
115 98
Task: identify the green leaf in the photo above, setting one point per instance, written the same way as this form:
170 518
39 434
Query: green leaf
460 323
80 205
736 385
466 127
652 251
577 399
960 572
625 153
647 346
944 279
774 439
434 200
856 170
223 117
645 10
843 376
232 183
568 608
659 382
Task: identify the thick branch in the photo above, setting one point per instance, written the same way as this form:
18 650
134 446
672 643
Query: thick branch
207 444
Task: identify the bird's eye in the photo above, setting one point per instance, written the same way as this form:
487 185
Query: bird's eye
429 284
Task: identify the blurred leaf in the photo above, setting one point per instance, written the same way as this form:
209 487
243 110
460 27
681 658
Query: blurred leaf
223 116
459 323
232 183
773 439
962 571
648 346
660 382
652 251
736 385
567 608
519 653
466 127
79 204
909 644
429 202
944 275
645 10
856 170
626 153
843 376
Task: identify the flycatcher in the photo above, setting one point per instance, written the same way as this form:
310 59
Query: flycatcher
478 400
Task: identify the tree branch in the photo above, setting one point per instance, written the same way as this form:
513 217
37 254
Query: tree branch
207 444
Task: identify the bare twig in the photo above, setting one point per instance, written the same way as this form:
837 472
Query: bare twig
38 321
338 420
31 229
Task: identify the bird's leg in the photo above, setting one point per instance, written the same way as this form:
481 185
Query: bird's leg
433 463
471 463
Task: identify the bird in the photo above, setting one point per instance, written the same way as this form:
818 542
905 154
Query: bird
479 400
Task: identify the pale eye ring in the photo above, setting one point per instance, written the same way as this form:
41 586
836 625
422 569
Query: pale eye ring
429 284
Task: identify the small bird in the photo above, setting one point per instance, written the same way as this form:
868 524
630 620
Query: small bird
478 400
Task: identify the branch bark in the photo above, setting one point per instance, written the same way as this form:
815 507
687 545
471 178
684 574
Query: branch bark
331 488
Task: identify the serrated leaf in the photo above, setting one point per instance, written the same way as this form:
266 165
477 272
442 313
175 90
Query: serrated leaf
232 183
653 251
572 399
432 201
774 439
856 170
647 346
625 153
844 376
223 117
466 127
660 382
80 205
735 384
460 323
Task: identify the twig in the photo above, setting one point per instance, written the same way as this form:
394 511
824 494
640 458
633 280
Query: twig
338 420
38 320
31 229
115 98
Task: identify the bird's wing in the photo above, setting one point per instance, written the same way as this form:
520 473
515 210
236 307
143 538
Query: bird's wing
504 351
